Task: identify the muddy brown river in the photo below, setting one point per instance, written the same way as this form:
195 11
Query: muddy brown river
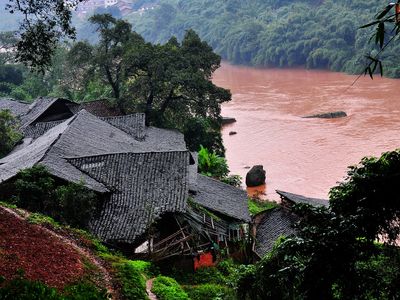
306 156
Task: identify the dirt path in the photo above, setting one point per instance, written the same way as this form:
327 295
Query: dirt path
83 252
149 285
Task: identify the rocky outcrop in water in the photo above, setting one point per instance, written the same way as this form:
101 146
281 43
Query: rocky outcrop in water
228 120
329 115
256 176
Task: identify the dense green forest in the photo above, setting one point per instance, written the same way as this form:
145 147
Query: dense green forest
314 34
275 33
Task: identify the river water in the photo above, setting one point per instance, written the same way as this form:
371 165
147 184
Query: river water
306 156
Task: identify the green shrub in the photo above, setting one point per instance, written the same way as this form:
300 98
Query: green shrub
76 204
146 268
9 134
167 288
36 218
201 276
36 191
210 292
211 164
208 275
258 206
84 291
22 289
133 284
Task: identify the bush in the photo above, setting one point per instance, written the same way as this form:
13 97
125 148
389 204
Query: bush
36 218
76 204
22 289
167 288
84 291
211 164
133 285
9 134
258 206
210 292
36 191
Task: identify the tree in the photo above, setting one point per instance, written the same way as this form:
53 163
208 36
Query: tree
170 83
9 134
44 24
388 17
335 253
173 82
213 165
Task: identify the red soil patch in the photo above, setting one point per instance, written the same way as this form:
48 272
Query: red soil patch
31 248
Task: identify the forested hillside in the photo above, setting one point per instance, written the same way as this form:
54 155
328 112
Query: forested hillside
274 33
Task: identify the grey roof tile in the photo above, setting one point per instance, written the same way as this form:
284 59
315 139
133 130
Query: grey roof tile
222 198
132 124
159 139
301 199
17 108
147 185
30 155
274 224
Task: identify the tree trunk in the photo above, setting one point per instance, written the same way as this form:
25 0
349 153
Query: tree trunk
149 107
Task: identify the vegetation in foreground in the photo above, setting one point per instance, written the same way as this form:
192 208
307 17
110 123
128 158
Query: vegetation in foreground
335 254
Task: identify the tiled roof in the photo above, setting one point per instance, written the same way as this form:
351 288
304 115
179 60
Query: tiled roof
132 124
38 129
40 106
222 198
81 135
30 155
146 185
301 199
17 108
274 224
159 139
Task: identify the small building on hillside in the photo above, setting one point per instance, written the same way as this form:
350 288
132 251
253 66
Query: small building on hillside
269 226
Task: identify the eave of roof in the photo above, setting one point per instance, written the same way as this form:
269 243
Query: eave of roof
222 198
301 199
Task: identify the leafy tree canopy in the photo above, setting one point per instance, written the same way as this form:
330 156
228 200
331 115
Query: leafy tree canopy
9 134
43 25
276 33
170 83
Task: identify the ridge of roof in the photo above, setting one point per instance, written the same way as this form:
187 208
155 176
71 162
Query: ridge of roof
302 199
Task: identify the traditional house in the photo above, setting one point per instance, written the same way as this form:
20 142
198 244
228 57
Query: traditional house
153 194
278 222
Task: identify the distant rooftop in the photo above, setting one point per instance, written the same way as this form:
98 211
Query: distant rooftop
295 198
